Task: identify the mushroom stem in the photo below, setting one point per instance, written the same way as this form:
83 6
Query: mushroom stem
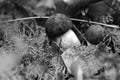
68 39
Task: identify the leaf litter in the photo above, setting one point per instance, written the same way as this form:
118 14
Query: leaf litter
26 55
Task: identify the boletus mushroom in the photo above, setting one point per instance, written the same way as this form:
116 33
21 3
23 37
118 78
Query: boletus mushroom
58 28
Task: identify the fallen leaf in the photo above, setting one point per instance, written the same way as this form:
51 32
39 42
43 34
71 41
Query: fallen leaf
99 9
86 58
46 4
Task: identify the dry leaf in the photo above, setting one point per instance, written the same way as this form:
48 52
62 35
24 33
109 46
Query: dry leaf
46 4
85 55
8 61
10 58
99 9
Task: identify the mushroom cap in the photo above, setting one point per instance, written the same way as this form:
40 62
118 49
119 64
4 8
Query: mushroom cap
57 25
94 34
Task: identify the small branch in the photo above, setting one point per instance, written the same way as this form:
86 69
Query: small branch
73 19
27 18
107 25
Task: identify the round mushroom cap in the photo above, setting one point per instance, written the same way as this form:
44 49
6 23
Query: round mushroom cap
57 25
94 34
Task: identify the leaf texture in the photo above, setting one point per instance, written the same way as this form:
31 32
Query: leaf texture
74 7
87 60
99 9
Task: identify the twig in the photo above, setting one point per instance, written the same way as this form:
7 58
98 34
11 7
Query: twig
29 28
107 25
73 19
19 19
80 35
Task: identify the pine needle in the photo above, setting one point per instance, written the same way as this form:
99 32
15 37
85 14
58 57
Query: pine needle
73 19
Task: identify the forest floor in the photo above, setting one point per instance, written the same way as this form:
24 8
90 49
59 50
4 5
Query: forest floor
39 61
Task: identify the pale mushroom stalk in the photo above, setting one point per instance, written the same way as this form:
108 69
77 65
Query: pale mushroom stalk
68 39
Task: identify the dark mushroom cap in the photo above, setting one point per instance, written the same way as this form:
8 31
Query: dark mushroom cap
57 25
94 34
2 35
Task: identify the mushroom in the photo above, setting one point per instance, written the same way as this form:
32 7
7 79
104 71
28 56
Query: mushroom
95 34
58 28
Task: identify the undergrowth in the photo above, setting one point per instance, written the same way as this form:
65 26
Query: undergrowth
40 62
